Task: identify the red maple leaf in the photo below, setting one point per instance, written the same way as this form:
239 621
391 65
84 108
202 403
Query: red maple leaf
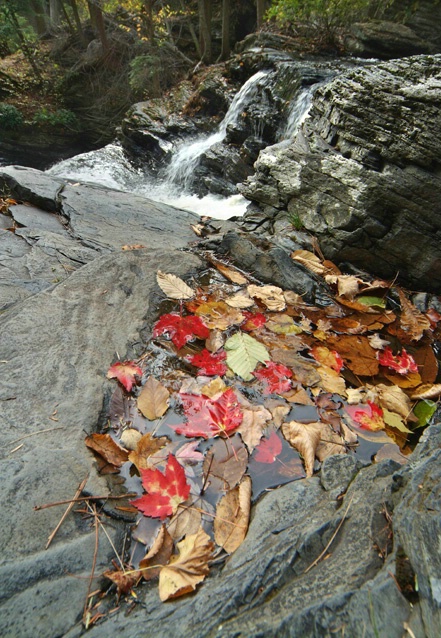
275 376
252 320
126 373
402 363
209 418
181 329
164 491
209 364
368 416
268 449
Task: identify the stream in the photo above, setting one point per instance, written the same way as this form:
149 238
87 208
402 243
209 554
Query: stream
110 166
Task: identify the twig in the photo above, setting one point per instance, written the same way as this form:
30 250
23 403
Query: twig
408 629
317 560
84 498
92 573
77 493
111 544
26 436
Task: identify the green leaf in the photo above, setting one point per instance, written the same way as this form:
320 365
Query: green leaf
424 411
395 421
244 353
372 301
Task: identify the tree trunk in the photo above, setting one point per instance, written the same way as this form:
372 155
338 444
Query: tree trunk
39 18
10 14
260 6
225 51
147 18
205 29
55 12
77 19
97 19
196 42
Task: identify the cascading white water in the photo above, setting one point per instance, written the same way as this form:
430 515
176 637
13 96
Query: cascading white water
184 161
110 167
298 112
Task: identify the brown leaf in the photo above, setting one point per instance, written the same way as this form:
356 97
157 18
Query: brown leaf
187 520
147 446
218 315
309 260
305 438
232 516
283 324
271 296
299 396
215 341
153 399
426 361
232 275
239 300
304 371
427 391
124 582
278 411
412 320
393 398
357 353
410 380
348 285
105 446
159 554
130 438
390 451
226 460
214 388
331 381
188 568
255 420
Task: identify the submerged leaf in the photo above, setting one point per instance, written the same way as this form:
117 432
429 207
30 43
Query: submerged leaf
217 315
401 363
153 399
188 568
268 449
147 446
208 363
276 377
208 418
181 329
125 372
244 353
271 296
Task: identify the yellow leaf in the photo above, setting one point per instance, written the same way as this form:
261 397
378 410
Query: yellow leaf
153 399
188 568
232 516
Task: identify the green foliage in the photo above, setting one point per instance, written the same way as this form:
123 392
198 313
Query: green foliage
10 117
143 71
295 221
61 117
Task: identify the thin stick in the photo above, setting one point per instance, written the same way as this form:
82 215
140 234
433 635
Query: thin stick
85 498
317 560
26 436
111 544
78 492
92 573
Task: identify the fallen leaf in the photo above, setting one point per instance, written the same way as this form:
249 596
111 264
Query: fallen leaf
331 381
427 391
124 582
424 411
209 418
107 448
377 342
327 357
425 358
394 399
188 453
227 461
217 315
390 451
268 449
305 438
394 420
215 341
232 275
232 516
153 399
367 416
209 364
125 372
164 491
401 363
278 411
412 321
299 396
303 371
159 554
188 568
410 380
255 420
283 324
309 260
214 388
187 520
367 300
244 353
239 301
147 446
180 329
271 296
130 438
174 287
276 377
292 298
253 321
356 352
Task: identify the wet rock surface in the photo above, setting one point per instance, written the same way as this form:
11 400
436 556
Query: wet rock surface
337 554
362 174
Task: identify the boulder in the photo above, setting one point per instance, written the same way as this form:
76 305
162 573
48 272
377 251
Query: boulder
384 40
362 174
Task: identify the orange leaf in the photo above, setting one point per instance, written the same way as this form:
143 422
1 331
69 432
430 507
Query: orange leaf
107 448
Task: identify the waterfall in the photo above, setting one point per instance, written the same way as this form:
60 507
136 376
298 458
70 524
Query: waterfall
298 112
184 161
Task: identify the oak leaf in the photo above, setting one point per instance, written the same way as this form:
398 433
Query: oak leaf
188 568
232 516
208 363
181 329
244 353
153 399
126 373
174 287
165 492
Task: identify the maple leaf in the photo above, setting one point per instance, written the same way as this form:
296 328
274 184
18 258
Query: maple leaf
164 491
368 416
153 399
327 357
402 363
276 377
174 287
181 329
268 449
232 516
208 418
244 353
188 568
253 320
125 372
209 364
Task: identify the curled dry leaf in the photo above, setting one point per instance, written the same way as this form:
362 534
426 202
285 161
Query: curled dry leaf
214 388
124 582
412 320
130 438
393 398
229 273
159 554
153 399
305 438
215 341
239 301
188 568
232 516
427 391
271 296
255 420
309 260
147 446
174 287
107 448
